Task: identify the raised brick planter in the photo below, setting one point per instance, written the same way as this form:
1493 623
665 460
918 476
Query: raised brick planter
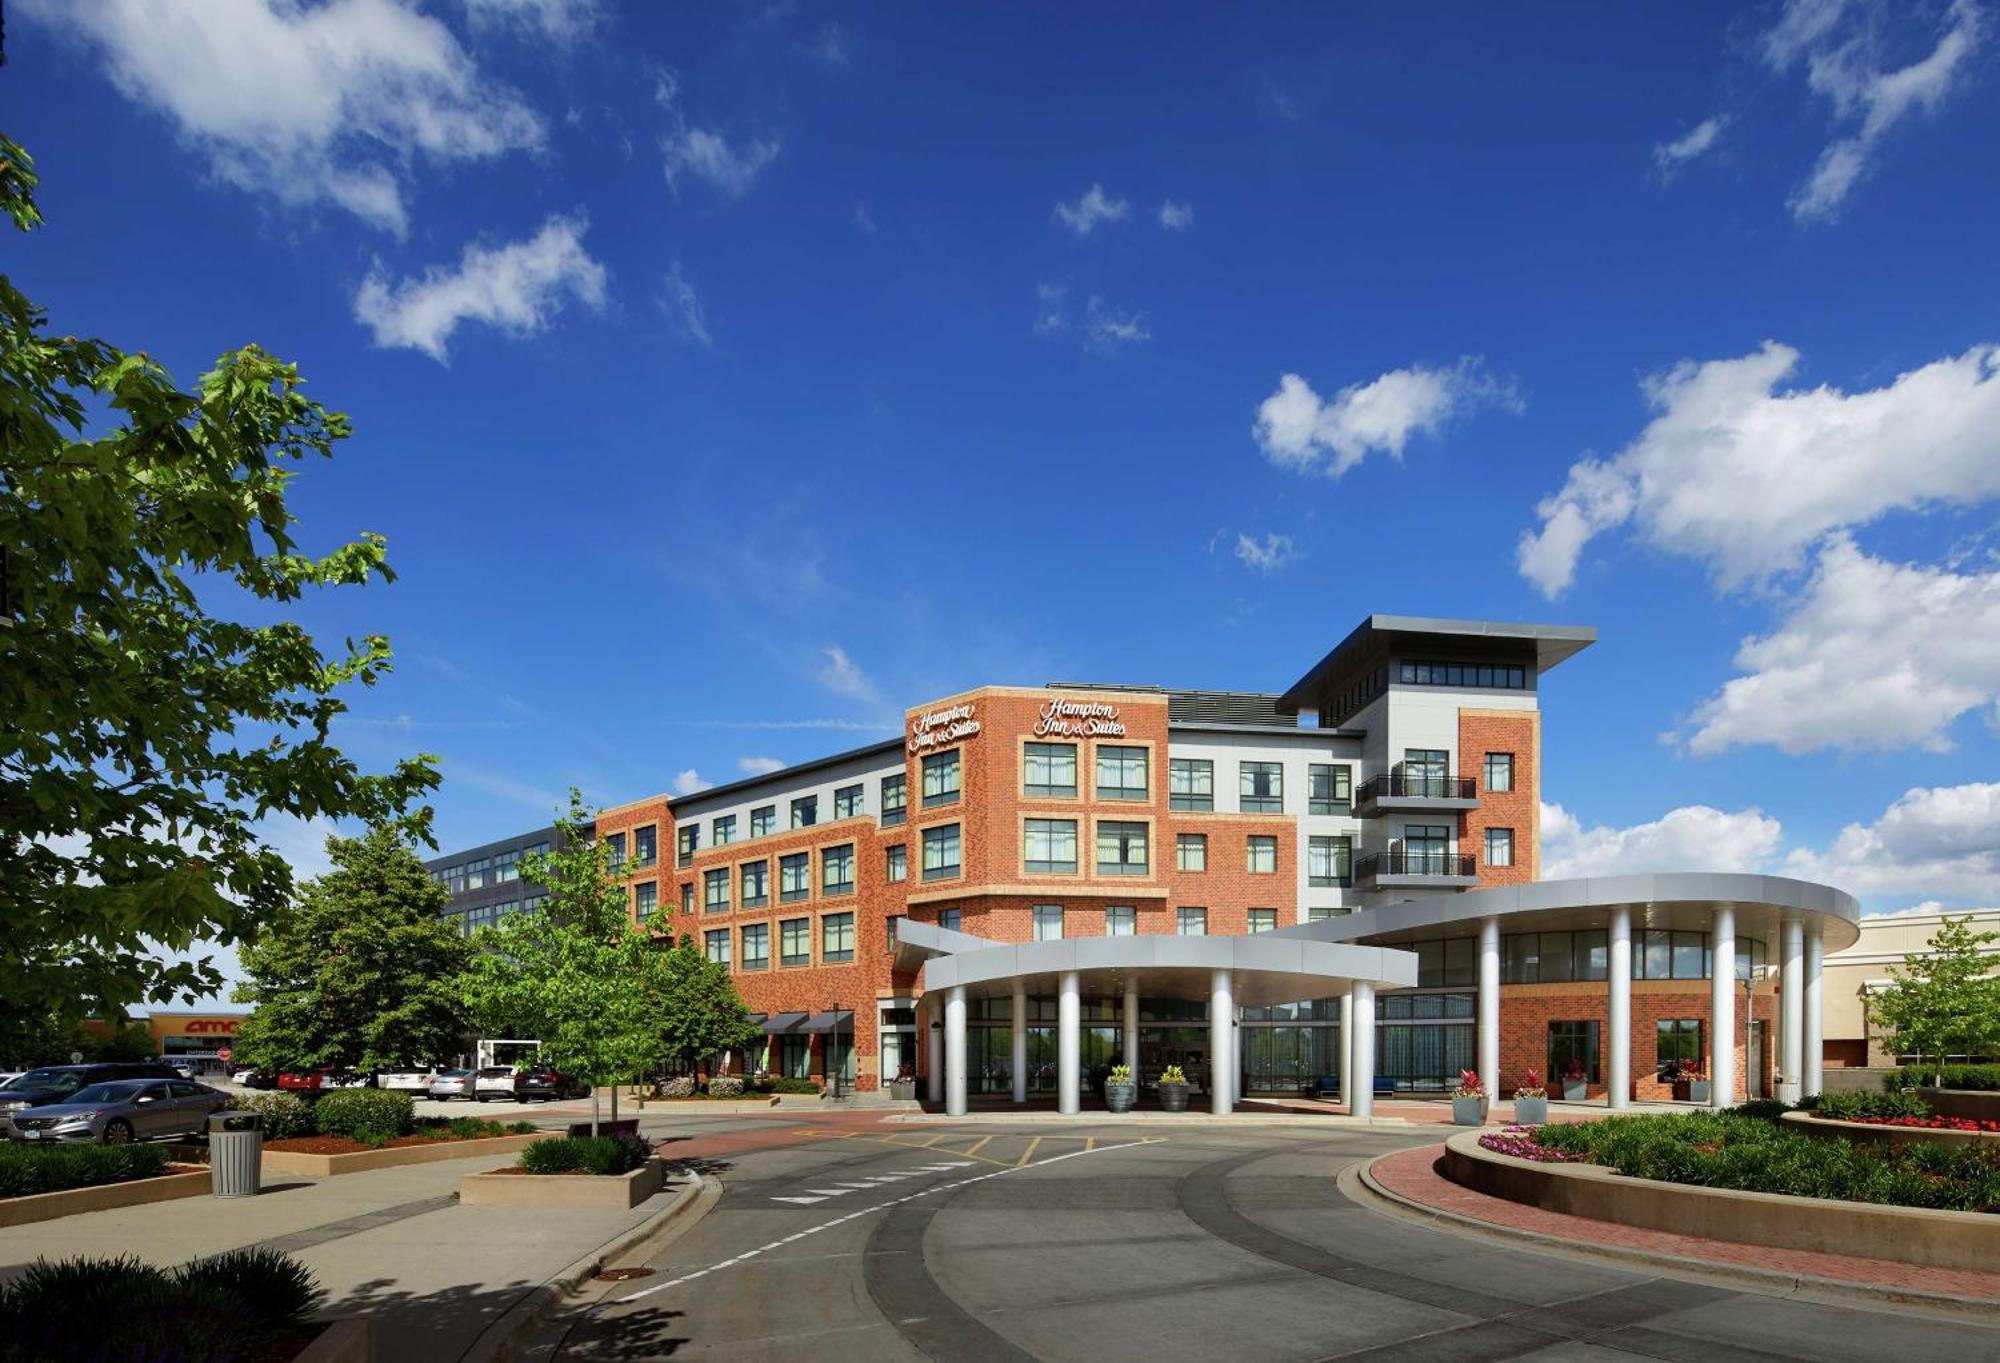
299 1162
573 1192
1880 1132
20 1211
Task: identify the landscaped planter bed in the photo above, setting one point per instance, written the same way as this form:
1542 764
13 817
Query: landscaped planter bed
1894 1131
516 1187
184 1181
323 1156
1976 1104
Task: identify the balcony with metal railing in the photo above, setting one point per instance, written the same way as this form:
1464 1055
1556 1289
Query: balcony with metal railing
1416 868
1414 793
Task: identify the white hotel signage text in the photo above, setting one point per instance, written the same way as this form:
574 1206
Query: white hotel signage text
935 728
1078 719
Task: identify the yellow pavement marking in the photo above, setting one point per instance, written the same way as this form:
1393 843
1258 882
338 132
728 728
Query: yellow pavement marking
926 1144
976 1146
1090 1142
1025 1154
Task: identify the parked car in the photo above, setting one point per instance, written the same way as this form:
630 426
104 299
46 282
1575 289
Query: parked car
495 1081
121 1111
406 1081
251 1077
55 1083
543 1082
452 1084
181 1067
313 1081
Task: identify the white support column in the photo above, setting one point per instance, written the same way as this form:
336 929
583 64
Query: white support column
934 1029
1347 1051
1812 1076
1722 1008
1130 1018
1069 1044
1020 1025
1618 1073
1221 1008
1489 1006
1792 995
1361 1050
954 1051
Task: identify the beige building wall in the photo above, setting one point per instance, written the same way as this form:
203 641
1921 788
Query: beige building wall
1884 942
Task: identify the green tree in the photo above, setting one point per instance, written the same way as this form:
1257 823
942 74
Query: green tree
362 971
699 1012
144 736
1944 1001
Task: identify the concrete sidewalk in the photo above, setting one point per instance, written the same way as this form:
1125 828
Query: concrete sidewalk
393 1244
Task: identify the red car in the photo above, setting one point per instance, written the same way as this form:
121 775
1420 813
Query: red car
312 1081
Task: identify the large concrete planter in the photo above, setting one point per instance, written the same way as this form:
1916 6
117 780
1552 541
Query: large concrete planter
571 1192
361 1161
1908 1235
1531 1111
20 1211
1121 1097
1575 1090
1978 1104
1173 1097
351 1339
1861 1133
1468 1111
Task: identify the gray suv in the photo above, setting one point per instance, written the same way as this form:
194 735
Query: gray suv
121 1111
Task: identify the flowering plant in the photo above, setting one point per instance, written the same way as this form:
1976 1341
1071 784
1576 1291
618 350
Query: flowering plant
1172 1075
1519 1141
1533 1088
1470 1085
1932 1123
1687 1070
1120 1074
1573 1071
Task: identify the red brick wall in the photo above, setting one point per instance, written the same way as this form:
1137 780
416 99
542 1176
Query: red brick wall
1518 732
1526 1010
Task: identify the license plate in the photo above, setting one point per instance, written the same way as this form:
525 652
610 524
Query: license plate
32 1135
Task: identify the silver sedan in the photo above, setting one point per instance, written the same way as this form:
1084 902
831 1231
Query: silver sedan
452 1084
121 1111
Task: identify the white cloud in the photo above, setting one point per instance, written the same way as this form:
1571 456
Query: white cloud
864 221
709 155
690 782
1840 45
830 46
563 22
1939 841
1266 556
1049 314
1669 157
1108 327
681 301
1871 655
1299 430
1091 209
1744 477
843 676
1691 838
517 287
1176 215
759 766
331 103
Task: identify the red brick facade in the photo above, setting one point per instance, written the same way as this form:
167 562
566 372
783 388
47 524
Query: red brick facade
1519 733
1526 1010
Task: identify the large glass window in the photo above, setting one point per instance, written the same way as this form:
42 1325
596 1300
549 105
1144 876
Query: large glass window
645 899
725 829
1051 845
795 1056
895 799
1499 847
941 778
1121 849
1661 955
1572 1052
1048 922
763 821
1677 1041
1263 920
1263 854
687 896
1451 961
847 802
950 918
756 884
1426 772
715 890
715 945
756 946
1049 769
687 841
1427 849
1499 771
1260 788
795 942
836 869
896 863
1121 920
1191 784
941 852
1329 788
1502 676
614 844
1191 922
795 876
836 938
1121 772
1329 862
1190 851
805 811
506 867
645 847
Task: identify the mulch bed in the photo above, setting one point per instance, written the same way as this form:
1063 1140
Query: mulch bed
342 1145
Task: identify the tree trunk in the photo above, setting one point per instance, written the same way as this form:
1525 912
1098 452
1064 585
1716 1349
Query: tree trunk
593 1109
614 1102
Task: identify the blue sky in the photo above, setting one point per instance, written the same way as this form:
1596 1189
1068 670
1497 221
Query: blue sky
726 378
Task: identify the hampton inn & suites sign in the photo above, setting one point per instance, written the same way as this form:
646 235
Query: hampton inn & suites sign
935 728
1060 718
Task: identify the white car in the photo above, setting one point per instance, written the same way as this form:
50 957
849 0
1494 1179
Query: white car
496 1081
406 1081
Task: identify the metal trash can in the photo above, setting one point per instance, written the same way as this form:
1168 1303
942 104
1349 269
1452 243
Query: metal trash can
235 1153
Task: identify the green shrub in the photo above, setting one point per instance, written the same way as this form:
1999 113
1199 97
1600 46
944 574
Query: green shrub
275 1289
1845 1107
371 1116
1764 1109
725 1086
585 1154
285 1114
211 1309
27 1169
521 1128
1985 1077
785 1085
680 1086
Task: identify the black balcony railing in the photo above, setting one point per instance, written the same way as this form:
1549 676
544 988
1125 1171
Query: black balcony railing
1408 785
1399 861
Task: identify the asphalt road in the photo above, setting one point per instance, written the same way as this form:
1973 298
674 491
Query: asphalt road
1101 1243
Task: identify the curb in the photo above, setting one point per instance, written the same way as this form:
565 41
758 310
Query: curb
1202 1119
499 1342
1358 1182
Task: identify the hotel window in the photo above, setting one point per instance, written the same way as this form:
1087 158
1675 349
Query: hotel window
895 799
1121 920
724 830
1427 849
847 802
715 890
896 864
1261 788
756 946
794 876
1263 920
1121 849
795 943
805 811
1049 769
1121 773
1676 1040
1573 1045
1499 771
614 846
1263 853
756 884
763 821
645 847
475 872
454 879
1191 922
1661 955
941 779
893 923
1191 784
1499 847
645 899
686 842
507 868
1048 922
1051 845
1329 789
1321 912
715 945
1329 862
836 938
1503 677
941 852
687 896
1190 851
949 919
836 869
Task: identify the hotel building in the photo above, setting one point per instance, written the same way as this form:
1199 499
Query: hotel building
1339 881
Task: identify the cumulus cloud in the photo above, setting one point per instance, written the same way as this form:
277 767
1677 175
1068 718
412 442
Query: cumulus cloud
759 766
1092 209
1176 215
328 104
1300 431
843 676
690 782
1840 46
1267 555
1691 838
1937 841
1669 157
517 287
1109 327
563 22
1871 655
1745 477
